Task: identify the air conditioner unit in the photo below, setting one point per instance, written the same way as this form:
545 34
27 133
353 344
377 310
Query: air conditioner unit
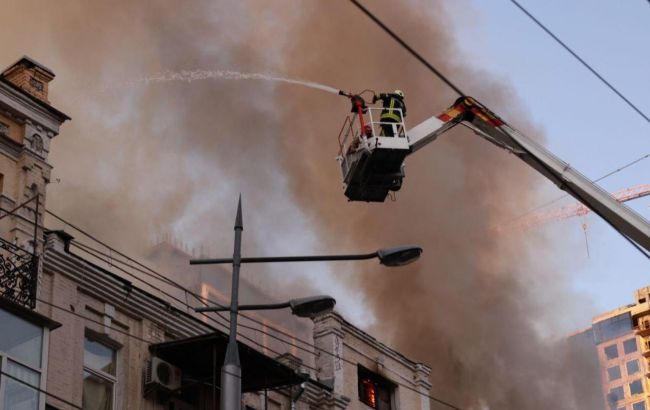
161 374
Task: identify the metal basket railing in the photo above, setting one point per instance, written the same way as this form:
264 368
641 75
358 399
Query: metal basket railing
18 274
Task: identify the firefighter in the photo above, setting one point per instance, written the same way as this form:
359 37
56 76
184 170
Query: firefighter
390 116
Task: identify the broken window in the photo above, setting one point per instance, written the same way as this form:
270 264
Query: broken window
374 390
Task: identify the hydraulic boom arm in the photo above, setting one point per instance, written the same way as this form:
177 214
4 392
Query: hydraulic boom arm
487 125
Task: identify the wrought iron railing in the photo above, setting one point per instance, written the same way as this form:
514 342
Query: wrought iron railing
18 274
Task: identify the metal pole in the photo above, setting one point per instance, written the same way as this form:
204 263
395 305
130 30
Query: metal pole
214 376
272 259
231 370
36 225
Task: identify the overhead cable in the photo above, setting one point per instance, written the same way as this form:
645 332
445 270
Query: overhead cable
408 48
157 276
38 389
582 61
609 174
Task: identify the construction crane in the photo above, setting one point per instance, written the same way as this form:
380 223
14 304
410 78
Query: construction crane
372 164
534 220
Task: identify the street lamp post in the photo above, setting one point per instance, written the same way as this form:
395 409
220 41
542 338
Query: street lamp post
303 307
231 369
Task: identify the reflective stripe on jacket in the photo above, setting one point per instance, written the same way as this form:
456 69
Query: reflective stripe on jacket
392 102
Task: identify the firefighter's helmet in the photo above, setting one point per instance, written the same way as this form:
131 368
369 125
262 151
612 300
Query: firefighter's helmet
399 92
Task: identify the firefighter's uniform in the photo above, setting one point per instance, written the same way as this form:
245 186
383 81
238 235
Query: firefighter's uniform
392 102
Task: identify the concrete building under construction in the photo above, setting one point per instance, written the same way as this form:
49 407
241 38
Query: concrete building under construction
611 358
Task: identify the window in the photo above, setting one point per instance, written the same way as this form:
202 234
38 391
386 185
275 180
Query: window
636 387
614 373
98 375
638 406
629 346
374 391
4 129
632 367
612 328
21 354
611 352
615 394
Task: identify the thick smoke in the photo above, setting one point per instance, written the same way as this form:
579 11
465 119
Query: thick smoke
472 307
139 160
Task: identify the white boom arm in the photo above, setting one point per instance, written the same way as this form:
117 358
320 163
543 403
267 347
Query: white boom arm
492 128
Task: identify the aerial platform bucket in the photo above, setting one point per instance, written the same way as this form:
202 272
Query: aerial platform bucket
372 156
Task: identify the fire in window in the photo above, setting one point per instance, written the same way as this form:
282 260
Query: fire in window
375 391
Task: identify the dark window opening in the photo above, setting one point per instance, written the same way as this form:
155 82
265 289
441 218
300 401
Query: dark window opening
375 391
614 373
4 129
636 387
615 395
632 367
629 346
611 352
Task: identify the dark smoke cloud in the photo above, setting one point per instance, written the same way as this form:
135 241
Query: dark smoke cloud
139 160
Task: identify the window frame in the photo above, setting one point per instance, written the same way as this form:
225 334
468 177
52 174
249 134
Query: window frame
42 371
378 379
612 346
636 346
627 368
609 375
629 385
98 338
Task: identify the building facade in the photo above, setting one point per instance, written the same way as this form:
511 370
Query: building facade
77 333
612 358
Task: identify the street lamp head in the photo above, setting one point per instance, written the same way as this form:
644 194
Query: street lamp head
312 306
399 256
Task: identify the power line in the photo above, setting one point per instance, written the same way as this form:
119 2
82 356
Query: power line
408 48
583 62
138 338
205 302
289 342
127 334
181 302
158 276
609 174
38 389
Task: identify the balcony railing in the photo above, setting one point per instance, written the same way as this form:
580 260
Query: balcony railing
18 274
